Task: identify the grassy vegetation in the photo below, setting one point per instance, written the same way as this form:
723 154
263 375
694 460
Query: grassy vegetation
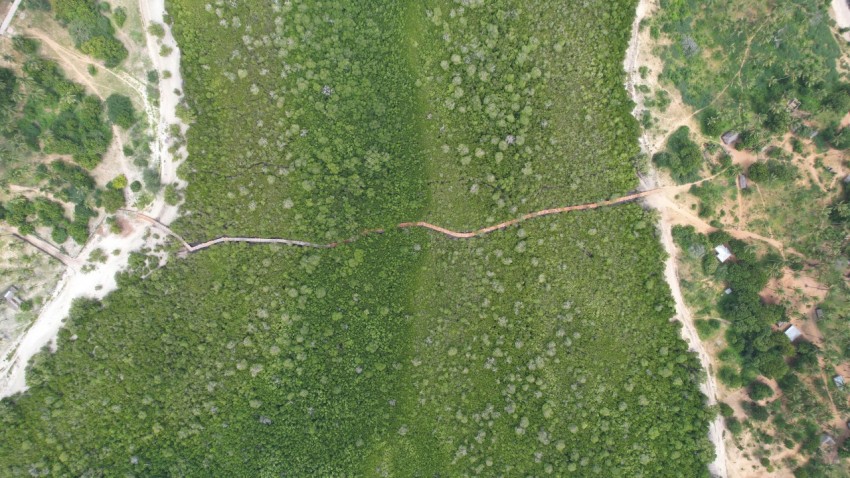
760 57
47 114
91 31
406 353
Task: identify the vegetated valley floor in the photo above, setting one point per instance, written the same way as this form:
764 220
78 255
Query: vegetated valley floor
545 348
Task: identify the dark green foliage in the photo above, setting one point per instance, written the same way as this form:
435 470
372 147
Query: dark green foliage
26 305
733 425
785 50
729 376
758 390
120 110
707 327
43 5
25 45
81 133
135 186
112 199
491 127
91 31
726 410
682 157
8 88
59 118
119 16
806 357
756 412
405 353
772 171
711 123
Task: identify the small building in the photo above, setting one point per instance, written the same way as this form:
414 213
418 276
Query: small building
11 297
793 333
818 313
742 181
793 105
847 179
826 440
723 253
839 381
730 137
728 291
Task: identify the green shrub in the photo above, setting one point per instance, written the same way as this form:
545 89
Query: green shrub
157 30
682 157
707 328
756 412
759 390
119 16
112 199
91 31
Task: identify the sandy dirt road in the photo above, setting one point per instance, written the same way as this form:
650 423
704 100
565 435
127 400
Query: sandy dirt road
9 16
98 282
716 429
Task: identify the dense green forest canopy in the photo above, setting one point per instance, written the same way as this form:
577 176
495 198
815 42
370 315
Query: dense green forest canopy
497 108
542 349
450 357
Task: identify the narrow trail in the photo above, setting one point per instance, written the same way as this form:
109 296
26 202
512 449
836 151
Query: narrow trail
45 247
408 225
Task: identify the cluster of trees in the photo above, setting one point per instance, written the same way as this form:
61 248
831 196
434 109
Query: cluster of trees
120 110
485 118
26 215
750 334
790 51
682 156
403 353
91 31
772 171
56 116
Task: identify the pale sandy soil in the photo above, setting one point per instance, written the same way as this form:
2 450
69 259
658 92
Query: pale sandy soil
101 280
152 11
841 13
637 54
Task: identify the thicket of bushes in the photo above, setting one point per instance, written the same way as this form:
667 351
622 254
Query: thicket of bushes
91 31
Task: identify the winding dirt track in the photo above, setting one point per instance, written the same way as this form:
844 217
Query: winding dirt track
404 225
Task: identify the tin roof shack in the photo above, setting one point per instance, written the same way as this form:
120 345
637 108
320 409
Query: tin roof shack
729 138
793 333
839 381
818 313
742 181
10 295
723 253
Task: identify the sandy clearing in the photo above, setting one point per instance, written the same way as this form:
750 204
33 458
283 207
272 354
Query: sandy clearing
842 15
9 16
98 282
153 11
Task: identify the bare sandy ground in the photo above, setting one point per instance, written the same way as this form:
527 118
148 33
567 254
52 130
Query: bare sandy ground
842 15
708 387
10 14
153 11
101 280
